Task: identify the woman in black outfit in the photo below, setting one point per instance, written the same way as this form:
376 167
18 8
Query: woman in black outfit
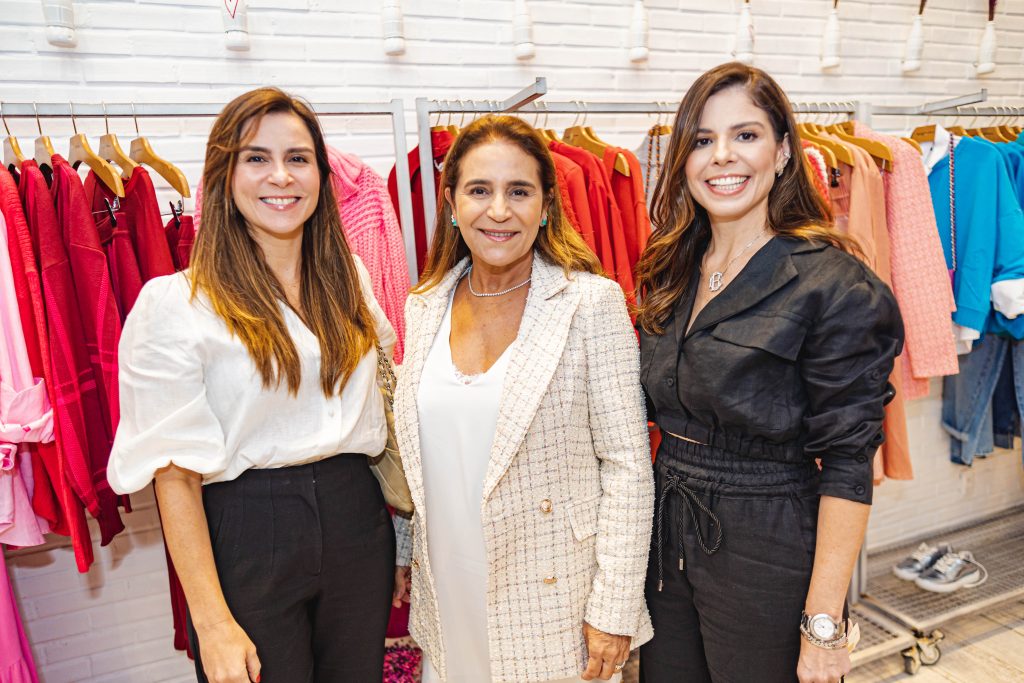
766 346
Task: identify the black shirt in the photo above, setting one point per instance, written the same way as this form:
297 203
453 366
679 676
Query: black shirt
790 362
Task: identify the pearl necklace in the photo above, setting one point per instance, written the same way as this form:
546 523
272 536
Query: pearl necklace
469 281
715 280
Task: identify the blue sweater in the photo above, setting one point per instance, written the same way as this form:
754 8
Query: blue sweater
989 234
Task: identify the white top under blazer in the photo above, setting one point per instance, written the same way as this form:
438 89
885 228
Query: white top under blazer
191 395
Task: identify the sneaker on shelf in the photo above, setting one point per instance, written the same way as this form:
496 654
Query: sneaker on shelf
921 560
951 572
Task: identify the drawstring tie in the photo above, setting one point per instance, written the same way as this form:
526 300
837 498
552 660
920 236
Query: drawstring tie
674 484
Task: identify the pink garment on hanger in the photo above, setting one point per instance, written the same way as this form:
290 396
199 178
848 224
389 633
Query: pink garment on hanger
16 663
25 417
372 230
920 279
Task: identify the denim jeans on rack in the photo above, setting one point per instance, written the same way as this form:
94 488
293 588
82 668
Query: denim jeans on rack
1005 413
971 405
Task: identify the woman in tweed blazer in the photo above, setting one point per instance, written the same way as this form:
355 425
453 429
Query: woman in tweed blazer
531 478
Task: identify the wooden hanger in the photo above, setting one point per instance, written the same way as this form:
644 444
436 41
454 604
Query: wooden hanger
879 151
914 143
579 136
12 150
830 158
925 133
837 149
957 130
993 134
110 149
43 153
142 152
79 151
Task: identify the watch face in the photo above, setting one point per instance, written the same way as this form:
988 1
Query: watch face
822 627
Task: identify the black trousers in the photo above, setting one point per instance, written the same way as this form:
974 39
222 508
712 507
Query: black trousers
729 567
306 557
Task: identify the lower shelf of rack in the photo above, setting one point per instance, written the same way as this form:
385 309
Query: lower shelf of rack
879 636
997 544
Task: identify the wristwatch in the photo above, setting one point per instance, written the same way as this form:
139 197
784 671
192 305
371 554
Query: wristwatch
823 631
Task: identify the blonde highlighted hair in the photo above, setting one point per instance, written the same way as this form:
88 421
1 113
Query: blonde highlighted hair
229 266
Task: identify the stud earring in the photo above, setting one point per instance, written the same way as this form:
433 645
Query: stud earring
544 222
454 222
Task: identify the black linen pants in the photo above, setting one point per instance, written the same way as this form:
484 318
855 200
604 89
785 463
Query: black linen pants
729 614
306 556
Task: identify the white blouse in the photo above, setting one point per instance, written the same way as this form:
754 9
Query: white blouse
191 395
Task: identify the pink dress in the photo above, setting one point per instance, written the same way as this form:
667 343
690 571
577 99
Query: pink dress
25 416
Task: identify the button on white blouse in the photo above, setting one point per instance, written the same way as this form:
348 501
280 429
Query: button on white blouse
190 394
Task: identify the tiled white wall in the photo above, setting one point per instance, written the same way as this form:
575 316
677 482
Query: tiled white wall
114 623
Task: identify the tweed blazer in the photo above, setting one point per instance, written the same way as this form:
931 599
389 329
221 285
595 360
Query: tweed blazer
568 495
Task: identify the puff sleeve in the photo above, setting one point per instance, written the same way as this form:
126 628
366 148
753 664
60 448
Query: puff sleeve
165 415
845 366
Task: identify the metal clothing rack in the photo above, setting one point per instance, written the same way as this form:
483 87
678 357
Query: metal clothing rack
395 109
524 101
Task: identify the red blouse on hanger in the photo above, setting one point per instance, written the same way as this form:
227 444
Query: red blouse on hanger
605 214
440 143
572 187
144 223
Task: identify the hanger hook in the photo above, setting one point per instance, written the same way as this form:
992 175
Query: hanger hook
38 125
4 119
136 119
106 121
462 119
71 109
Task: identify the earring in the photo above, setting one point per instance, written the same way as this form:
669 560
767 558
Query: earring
544 222
454 222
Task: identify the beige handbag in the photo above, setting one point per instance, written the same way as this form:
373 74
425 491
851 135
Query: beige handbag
387 466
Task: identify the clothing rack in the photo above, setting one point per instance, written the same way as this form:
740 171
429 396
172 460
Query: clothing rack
524 101
395 109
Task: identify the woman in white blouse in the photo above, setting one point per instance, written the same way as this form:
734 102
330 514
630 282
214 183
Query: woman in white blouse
249 392
521 426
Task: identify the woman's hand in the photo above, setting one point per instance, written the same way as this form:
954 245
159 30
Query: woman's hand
403 581
608 653
227 653
818 665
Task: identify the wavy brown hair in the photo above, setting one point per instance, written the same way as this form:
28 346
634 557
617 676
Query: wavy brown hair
229 266
682 228
558 240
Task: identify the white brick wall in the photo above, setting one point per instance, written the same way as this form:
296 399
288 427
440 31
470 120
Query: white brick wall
114 623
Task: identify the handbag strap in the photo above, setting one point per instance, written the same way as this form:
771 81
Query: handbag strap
388 379
952 202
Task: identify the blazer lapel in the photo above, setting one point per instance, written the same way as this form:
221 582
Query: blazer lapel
538 350
430 312
768 271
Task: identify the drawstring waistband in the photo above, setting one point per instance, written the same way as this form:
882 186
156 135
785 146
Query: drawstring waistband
674 484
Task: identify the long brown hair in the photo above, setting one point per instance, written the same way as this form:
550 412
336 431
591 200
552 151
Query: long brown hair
558 241
682 228
229 267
